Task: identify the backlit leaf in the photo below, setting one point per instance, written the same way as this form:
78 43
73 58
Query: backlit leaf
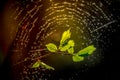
71 43
51 47
64 48
77 58
63 44
36 64
88 50
46 66
66 35
71 50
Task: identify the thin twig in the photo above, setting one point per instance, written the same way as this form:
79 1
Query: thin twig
38 50
43 56
38 58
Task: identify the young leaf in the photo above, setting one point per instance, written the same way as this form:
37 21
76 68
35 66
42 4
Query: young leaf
51 47
88 50
71 50
66 35
71 43
36 64
46 66
64 48
63 44
77 58
92 50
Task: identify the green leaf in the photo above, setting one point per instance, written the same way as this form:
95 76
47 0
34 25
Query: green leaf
71 43
46 66
68 46
64 48
36 64
51 47
66 35
71 50
77 58
63 44
92 50
43 65
88 50
84 55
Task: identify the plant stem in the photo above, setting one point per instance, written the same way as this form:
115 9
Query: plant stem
43 56
38 50
40 57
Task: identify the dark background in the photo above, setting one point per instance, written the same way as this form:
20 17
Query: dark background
107 70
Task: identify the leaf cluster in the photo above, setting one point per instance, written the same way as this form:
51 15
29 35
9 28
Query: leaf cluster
66 44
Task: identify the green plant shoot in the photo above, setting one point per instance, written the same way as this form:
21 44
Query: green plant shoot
65 36
71 43
36 64
77 58
66 45
51 47
83 53
43 65
71 50
64 48
88 50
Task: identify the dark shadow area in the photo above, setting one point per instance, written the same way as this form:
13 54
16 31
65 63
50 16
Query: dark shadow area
106 70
